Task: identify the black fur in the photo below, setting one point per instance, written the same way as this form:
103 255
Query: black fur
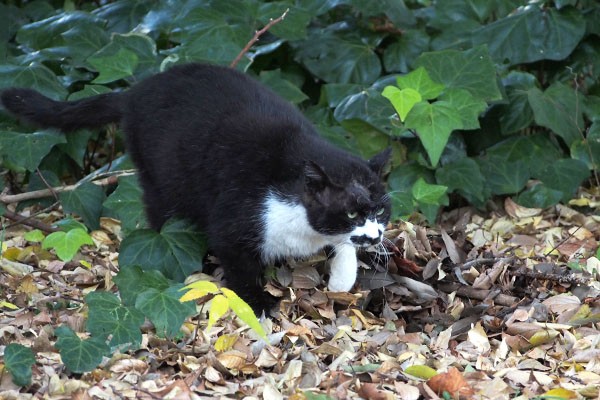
209 143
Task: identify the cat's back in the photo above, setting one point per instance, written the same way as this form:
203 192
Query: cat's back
210 91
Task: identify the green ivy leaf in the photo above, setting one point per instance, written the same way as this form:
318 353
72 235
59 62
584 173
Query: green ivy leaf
164 309
564 175
66 244
126 202
28 149
141 45
338 58
539 196
18 360
532 35
463 176
85 40
88 91
434 123
34 236
176 251
133 281
420 81
588 149
47 32
35 76
402 100
370 107
559 109
533 151
76 145
472 70
85 201
68 224
402 203
79 355
283 87
108 317
517 114
112 68
469 107
503 176
402 53
427 193
369 140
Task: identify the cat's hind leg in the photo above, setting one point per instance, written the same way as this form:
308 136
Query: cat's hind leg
243 274
344 266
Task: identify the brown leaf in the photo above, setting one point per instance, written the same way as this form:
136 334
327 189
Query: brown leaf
516 211
369 391
305 278
451 382
456 255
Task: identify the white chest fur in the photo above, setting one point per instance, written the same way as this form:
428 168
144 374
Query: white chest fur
287 232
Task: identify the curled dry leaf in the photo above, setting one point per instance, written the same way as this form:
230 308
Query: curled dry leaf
452 382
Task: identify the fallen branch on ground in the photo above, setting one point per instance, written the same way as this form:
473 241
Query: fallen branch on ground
38 194
478 294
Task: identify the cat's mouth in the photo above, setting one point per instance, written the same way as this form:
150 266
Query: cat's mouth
365 241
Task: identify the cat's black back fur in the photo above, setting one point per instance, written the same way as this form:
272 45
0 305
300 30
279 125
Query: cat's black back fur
210 144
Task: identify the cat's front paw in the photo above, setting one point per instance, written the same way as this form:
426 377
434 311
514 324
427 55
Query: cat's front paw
340 284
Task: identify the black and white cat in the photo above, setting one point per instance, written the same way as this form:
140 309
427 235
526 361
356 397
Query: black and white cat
214 146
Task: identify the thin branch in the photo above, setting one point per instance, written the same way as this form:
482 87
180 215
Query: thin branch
256 36
485 261
47 184
22 221
38 194
30 222
562 241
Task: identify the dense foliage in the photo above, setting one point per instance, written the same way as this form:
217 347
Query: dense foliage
477 98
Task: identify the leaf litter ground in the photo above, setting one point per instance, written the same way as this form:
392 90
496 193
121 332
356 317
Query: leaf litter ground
496 306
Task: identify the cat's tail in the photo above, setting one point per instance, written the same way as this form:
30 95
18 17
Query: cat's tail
91 112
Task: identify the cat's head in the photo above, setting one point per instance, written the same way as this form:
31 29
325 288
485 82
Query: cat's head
348 199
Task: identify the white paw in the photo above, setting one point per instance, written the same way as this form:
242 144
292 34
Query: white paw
343 269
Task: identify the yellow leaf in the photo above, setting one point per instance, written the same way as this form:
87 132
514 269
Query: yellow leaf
560 392
8 305
4 247
583 312
207 286
192 294
218 307
244 312
10 254
226 342
579 202
542 336
421 371
85 264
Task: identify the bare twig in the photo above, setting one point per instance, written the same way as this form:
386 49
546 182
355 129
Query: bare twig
30 222
564 240
486 261
47 184
566 278
22 221
478 294
256 36
37 194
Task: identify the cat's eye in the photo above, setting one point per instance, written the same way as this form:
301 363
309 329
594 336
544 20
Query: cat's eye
381 211
352 215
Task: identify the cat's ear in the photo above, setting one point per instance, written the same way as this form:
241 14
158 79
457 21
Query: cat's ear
315 178
378 162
